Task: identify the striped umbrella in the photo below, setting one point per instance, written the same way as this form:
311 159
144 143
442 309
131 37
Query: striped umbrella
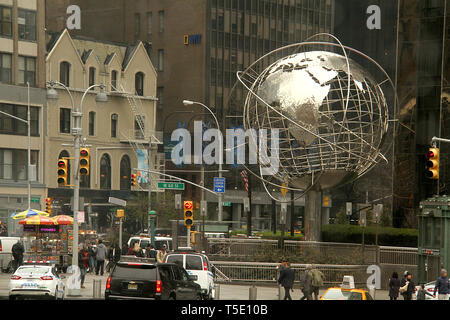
37 220
62 220
29 213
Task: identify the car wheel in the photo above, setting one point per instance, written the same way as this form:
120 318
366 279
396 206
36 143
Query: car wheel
172 297
199 297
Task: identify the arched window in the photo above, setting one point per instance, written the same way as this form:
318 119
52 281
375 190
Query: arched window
114 80
64 73
125 173
65 154
139 83
105 172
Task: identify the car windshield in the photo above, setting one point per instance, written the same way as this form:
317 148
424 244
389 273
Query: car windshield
160 243
35 270
193 262
144 243
175 258
138 272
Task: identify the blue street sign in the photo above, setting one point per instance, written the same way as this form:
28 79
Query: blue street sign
219 185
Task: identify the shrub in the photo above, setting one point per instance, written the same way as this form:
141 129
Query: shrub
387 236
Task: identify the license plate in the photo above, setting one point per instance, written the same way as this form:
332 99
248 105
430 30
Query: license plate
30 285
132 287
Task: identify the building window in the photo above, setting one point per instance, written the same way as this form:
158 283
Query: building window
139 83
91 123
161 21
27 25
5 68
5 21
91 77
149 23
125 173
160 96
64 73
105 172
14 165
64 120
160 60
13 126
139 127
114 80
114 120
137 27
27 70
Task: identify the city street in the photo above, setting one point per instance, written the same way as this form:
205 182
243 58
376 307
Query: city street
227 291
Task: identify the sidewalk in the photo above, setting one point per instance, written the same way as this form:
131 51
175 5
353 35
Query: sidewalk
88 291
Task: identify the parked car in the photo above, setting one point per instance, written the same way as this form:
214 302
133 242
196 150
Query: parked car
6 257
145 279
36 280
198 264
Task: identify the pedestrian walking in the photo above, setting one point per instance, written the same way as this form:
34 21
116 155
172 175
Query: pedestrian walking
409 288
394 286
422 293
317 278
286 280
17 252
161 255
83 264
110 263
150 252
402 284
101 256
125 250
306 284
91 258
442 286
137 251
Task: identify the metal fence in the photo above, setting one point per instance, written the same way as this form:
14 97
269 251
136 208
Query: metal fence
227 271
242 249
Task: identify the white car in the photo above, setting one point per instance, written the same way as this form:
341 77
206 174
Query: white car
36 280
195 264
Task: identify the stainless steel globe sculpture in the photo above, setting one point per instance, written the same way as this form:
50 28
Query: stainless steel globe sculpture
331 114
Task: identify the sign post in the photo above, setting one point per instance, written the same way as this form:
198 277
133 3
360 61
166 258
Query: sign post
152 215
120 215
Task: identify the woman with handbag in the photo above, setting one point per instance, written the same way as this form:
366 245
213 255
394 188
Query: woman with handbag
409 288
394 286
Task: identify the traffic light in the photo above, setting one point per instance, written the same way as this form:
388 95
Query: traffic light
188 213
48 205
133 179
84 161
62 172
432 165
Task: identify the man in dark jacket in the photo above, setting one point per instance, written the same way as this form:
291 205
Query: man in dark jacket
403 283
442 286
286 279
91 258
83 264
306 284
17 252
411 287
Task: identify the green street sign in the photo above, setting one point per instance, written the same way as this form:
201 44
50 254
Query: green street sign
227 204
152 213
34 199
171 185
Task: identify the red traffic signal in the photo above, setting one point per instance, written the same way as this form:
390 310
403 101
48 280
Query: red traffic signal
133 179
188 205
62 172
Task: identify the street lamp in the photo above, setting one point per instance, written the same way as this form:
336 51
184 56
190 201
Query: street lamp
77 133
190 103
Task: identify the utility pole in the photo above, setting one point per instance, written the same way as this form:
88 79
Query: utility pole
292 213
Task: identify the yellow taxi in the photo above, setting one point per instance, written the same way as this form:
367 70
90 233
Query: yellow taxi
346 294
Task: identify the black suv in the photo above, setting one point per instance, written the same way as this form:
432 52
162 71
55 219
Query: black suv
144 279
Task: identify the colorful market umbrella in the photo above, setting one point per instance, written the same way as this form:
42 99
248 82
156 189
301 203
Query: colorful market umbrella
62 220
37 220
29 213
